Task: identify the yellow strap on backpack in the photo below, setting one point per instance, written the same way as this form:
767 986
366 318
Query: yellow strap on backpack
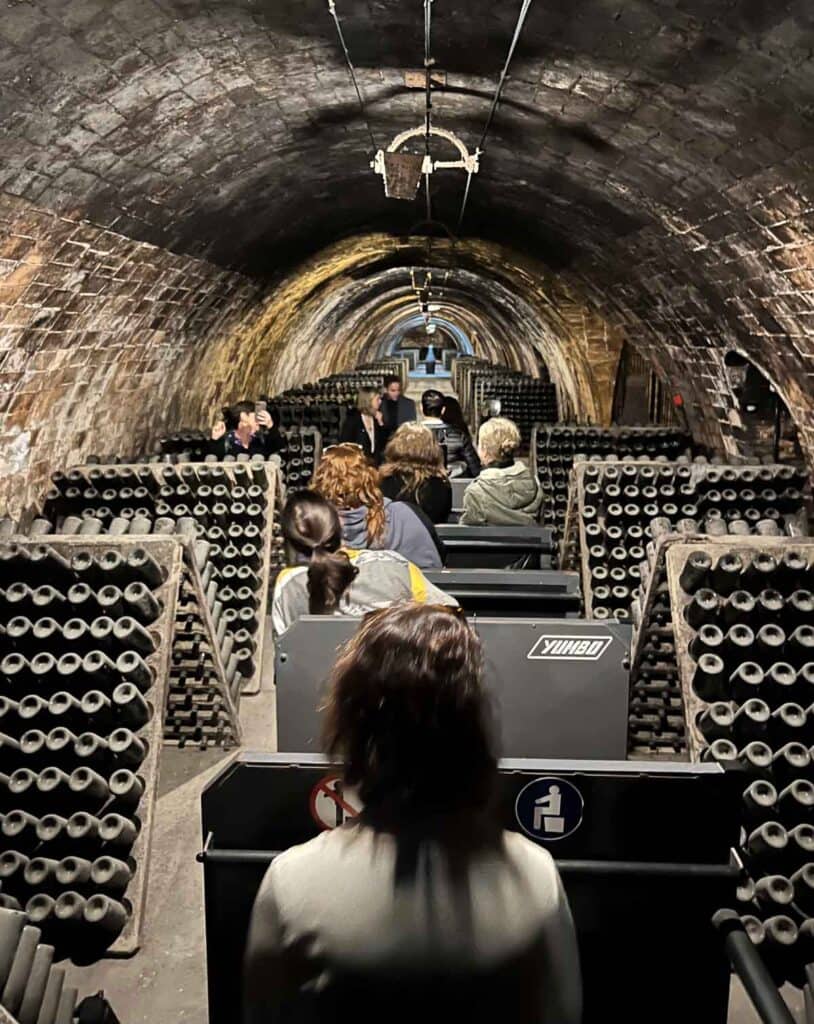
418 584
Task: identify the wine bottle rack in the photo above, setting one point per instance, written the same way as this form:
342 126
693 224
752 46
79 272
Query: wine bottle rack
168 500
611 505
750 706
92 748
555 449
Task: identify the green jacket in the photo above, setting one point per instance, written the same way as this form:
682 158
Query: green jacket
503 496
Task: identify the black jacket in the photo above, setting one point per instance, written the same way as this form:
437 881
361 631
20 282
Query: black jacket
264 442
434 497
396 413
353 431
460 449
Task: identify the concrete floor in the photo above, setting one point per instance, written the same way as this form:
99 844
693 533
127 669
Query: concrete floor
166 980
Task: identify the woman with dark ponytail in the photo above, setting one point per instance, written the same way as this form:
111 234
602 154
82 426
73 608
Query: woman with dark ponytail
328 579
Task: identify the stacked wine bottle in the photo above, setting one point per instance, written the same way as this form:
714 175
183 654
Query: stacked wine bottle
227 509
467 373
186 445
300 457
744 629
323 405
85 630
32 986
616 502
557 448
655 726
751 499
524 399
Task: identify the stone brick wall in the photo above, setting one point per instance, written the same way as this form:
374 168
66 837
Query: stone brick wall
99 342
732 271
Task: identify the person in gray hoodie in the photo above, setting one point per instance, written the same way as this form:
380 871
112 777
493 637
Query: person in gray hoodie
369 520
506 493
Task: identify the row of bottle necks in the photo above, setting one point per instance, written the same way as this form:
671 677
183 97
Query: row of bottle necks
771 520
134 603
43 563
162 519
748 522
119 703
248 473
71 921
59 810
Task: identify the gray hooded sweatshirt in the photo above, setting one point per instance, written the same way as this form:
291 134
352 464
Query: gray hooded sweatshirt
503 496
404 532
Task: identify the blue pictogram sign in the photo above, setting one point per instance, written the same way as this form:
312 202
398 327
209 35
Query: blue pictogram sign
549 809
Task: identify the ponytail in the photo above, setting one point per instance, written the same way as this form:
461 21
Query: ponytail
330 573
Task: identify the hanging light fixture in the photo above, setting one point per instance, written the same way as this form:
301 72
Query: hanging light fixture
402 171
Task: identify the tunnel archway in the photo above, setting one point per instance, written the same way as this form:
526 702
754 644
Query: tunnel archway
410 337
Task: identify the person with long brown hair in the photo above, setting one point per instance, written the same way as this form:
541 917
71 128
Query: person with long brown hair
332 580
414 471
421 907
370 520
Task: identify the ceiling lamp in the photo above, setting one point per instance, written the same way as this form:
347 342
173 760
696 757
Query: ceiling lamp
402 171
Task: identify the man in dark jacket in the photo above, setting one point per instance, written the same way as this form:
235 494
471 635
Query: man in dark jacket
396 409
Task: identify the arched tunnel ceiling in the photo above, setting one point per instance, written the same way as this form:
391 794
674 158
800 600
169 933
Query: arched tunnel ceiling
230 129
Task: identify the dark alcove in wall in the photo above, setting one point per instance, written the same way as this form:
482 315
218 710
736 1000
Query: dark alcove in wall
640 395
767 427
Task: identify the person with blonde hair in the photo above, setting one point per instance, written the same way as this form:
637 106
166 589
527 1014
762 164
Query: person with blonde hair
346 478
364 425
421 907
326 578
414 471
506 493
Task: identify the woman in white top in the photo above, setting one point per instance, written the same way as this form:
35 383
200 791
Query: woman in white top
422 909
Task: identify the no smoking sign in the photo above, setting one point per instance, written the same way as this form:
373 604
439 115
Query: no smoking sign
332 803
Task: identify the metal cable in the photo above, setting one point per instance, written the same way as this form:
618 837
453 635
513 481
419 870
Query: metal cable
428 97
521 20
352 70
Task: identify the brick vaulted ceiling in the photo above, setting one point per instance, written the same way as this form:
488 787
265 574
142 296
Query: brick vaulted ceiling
230 129
657 156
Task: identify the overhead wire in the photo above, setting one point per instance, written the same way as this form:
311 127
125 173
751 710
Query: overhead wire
428 62
352 71
518 29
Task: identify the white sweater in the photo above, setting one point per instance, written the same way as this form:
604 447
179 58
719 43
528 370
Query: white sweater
352 926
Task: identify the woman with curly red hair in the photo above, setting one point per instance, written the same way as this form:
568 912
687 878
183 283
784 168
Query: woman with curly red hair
369 520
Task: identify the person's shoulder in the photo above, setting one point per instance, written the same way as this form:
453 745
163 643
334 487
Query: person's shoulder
371 556
291 572
289 867
529 857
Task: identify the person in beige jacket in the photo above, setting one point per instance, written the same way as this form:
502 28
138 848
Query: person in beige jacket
506 493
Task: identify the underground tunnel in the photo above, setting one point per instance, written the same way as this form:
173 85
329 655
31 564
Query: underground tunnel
595 220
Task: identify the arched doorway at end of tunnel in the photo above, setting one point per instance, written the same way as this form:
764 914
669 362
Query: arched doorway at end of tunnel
766 429
429 346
